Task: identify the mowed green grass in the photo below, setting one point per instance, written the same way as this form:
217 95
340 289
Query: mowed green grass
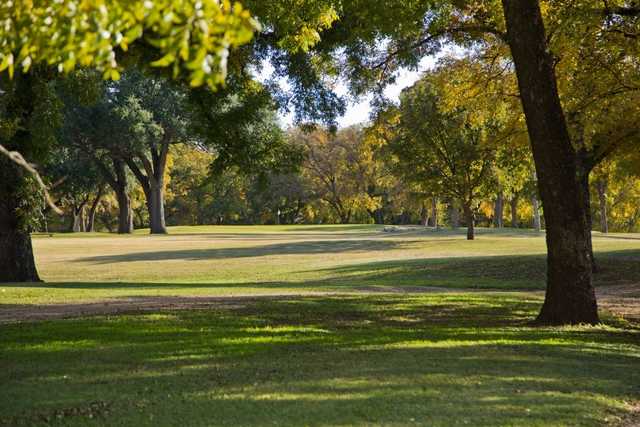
360 358
433 360
211 261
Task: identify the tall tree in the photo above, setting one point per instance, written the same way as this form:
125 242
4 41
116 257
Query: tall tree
442 149
331 166
154 112
563 162
29 114
42 39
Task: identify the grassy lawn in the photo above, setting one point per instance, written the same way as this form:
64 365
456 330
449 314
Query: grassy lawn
210 261
363 357
383 360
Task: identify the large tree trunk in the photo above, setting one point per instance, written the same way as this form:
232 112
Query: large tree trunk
602 202
17 263
152 182
498 210
17 197
514 211
125 213
537 226
570 296
157 222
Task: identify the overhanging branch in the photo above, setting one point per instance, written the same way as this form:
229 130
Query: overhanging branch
17 158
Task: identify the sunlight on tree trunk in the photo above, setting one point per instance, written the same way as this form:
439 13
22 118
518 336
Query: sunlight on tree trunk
570 296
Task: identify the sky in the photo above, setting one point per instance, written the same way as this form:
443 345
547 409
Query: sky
359 112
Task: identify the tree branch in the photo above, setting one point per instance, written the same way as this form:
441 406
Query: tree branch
17 158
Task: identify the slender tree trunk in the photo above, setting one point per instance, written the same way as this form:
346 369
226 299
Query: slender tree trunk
376 215
424 216
119 185
434 212
514 211
537 226
602 201
570 296
379 217
118 181
91 217
78 224
17 263
152 182
454 217
498 210
469 218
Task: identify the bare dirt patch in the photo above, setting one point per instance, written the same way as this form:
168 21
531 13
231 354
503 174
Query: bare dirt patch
146 304
621 300
128 305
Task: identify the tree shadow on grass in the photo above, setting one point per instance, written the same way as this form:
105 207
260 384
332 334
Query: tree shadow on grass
322 361
289 248
494 272
517 272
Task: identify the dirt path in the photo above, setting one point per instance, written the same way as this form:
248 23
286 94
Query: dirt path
142 304
130 305
623 301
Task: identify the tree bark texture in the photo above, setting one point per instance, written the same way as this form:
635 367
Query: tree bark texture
17 263
570 296
17 202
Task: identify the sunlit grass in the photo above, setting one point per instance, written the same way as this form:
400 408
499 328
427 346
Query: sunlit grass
358 358
245 260
464 359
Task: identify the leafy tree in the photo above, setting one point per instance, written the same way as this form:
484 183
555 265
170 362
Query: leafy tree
98 132
44 38
187 193
332 166
154 114
75 182
278 198
443 150
377 41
